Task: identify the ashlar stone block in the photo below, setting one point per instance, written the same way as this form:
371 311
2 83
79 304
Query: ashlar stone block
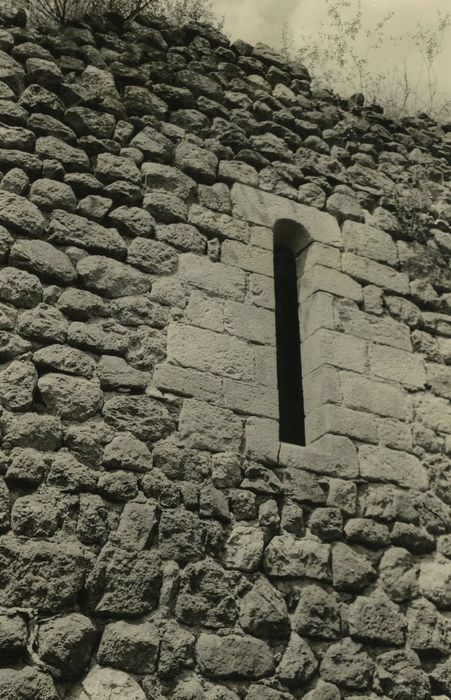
338 349
216 278
371 272
401 468
369 242
209 427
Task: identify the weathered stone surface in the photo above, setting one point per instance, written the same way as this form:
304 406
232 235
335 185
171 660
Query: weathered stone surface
132 221
404 469
111 278
145 417
44 260
400 675
155 146
115 373
351 571
180 536
13 633
427 630
62 358
206 596
345 663
21 215
209 427
108 683
73 230
376 619
71 398
110 168
73 159
434 582
129 647
27 683
317 614
17 384
86 122
263 612
43 323
233 657
50 194
298 663
66 643
127 452
124 583
286 556
19 288
40 574
152 256
244 548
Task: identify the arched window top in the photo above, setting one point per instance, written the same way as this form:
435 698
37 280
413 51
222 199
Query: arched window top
291 235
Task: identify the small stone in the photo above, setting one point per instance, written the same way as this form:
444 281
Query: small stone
206 596
165 207
66 643
129 647
73 159
15 181
154 145
344 207
71 398
133 221
376 619
94 207
86 122
286 556
68 229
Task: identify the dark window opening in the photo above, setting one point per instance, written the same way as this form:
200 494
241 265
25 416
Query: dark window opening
289 368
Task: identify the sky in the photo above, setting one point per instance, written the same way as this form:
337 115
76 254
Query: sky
262 20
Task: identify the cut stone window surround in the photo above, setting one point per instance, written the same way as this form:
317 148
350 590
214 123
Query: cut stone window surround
315 239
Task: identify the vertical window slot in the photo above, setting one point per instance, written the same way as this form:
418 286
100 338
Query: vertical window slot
289 367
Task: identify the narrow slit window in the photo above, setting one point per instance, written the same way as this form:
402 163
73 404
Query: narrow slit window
289 367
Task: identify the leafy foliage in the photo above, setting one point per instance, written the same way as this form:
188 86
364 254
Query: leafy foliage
342 55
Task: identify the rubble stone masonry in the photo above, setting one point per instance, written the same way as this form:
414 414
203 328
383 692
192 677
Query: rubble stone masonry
157 540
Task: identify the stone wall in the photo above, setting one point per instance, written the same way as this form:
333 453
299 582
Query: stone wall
157 540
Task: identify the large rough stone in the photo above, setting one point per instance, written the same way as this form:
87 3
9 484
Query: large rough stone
87 122
346 664
376 619
317 614
127 452
19 288
143 416
244 548
100 337
298 663
155 146
205 596
110 168
50 194
351 571
20 215
400 676
13 633
124 583
61 358
108 684
287 556
17 384
72 230
73 159
196 161
180 536
26 683
66 643
44 260
427 630
44 323
263 611
129 647
111 278
233 657
40 574
37 515
152 256
435 582
115 373
34 430
71 398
